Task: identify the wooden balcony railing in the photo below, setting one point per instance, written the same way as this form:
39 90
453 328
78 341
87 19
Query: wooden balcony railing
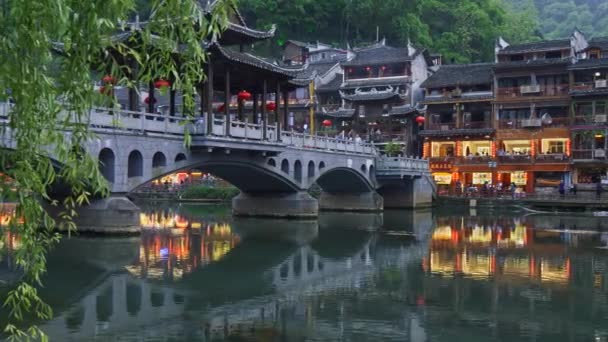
532 91
598 119
590 154
552 158
446 126
535 123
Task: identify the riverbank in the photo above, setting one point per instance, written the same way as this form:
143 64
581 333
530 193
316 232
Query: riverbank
552 203
194 194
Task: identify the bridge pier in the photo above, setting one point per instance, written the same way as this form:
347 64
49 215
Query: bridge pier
365 201
407 193
283 205
112 215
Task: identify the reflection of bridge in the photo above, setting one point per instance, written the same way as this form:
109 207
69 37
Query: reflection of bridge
121 303
273 174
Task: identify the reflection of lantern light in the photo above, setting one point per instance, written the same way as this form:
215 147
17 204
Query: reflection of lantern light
181 222
164 252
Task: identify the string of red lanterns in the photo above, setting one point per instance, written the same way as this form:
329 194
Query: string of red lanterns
326 123
271 106
244 95
108 79
420 120
162 83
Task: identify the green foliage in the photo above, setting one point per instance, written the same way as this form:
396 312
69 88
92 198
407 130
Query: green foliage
461 30
54 93
206 192
558 18
392 149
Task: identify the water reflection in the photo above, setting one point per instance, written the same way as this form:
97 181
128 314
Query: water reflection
407 276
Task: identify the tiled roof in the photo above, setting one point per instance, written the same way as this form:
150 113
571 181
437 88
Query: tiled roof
589 92
402 110
339 113
452 132
460 75
371 96
545 45
599 42
375 82
333 85
252 32
463 99
532 63
249 59
589 64
318 68
379 55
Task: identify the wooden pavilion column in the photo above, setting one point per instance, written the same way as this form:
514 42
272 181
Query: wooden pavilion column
151 97
227 98
285 109
172 100
255 109
263 109
133 96
209 97
277 110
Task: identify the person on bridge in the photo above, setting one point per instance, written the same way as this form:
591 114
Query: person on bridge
598 190
573 189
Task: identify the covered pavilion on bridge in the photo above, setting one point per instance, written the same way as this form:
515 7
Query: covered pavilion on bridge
241 91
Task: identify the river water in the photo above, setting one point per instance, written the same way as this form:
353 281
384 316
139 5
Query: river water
196 274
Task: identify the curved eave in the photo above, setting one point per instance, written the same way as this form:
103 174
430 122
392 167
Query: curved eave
253 61
238 34
454 132
369 97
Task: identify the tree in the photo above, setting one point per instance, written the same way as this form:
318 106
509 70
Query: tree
52 93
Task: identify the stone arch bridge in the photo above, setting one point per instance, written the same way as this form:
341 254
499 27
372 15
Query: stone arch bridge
273 171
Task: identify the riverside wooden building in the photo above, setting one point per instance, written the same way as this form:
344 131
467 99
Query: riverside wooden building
535 117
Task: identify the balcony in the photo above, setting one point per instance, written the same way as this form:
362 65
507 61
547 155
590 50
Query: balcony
599 119
475 160
459 96
552 158
445 126
534 123
589 88
590 155
536 90
515 159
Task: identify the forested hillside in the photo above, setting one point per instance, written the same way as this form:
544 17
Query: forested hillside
557 18
462 30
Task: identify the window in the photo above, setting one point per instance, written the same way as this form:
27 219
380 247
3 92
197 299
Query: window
556 147
361 111
553 54
517 58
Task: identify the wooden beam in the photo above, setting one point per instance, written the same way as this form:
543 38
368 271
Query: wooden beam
277 110
227 98
209 97
263 109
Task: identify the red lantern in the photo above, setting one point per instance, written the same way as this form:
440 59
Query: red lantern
162 84
420 120
244 96
102 90
326 123
221 108
271 106
108 79
147 100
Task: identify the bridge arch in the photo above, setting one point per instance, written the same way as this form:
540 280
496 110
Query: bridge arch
272 162
311 169
107 164
364 169
180 157
135 167
344 180
159 160
285 166
297 171
321 166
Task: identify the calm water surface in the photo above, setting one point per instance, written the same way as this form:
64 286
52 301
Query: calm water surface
196 274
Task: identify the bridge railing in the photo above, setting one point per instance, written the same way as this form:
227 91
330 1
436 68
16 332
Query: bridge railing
145 122
396 164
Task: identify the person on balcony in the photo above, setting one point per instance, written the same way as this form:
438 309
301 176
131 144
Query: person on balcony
562 189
